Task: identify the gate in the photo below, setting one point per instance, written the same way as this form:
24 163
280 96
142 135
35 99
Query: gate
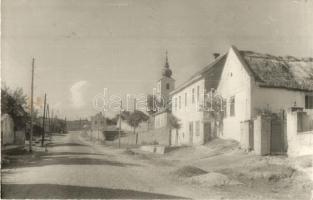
277 134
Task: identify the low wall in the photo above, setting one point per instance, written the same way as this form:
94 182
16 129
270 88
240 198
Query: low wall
246 135
299 142
262 135
157 136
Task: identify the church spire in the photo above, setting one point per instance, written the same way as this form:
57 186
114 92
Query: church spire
166 60
166 70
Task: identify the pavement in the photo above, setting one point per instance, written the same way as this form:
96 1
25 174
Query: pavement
74 167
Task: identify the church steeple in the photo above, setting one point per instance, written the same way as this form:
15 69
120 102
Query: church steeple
166 70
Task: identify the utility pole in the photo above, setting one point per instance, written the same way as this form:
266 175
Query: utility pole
65 125
43 121
134 127
49 121
119 125
31 107
52 121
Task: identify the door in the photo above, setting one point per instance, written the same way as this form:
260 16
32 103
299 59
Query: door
191 133
277 137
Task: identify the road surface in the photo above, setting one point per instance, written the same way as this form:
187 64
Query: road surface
74 167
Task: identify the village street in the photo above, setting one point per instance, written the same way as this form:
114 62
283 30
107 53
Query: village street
74 167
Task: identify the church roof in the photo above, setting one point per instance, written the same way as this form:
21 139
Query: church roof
166 71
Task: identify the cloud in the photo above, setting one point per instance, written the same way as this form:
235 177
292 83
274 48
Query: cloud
76 90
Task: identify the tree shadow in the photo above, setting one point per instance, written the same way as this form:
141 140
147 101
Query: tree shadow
63 158
53 191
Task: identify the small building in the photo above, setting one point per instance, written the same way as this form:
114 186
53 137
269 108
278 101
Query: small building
111 133
10 134
7 129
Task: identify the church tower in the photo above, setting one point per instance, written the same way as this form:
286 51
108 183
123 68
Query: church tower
166 84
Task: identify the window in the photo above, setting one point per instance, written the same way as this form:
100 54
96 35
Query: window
197 124
179 103
185 99
167 86
225 107
198 93
232 106
193 95
308 102
191 128
175 103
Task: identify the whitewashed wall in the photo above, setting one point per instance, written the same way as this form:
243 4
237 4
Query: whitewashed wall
275 99
235 81
299 143
189 113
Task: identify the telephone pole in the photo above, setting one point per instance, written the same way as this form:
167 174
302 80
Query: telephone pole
43 122
49 121
31 107
119 125
48 116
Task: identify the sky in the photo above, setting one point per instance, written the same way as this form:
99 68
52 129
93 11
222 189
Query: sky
81 47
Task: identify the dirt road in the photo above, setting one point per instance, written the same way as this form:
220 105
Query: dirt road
75 167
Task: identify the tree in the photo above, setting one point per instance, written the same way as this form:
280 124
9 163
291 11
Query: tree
14 104
124 115
173 123
135 118
153 104
215 106
112 121
214 109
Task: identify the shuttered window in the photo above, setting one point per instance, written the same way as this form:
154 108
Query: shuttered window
308 102
197 124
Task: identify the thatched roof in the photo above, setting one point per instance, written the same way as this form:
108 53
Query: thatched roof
280 72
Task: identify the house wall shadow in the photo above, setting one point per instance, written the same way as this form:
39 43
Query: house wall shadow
62 158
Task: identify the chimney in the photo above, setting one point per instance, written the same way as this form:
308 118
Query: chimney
216 55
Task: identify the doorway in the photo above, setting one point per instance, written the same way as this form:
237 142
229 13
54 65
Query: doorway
191 133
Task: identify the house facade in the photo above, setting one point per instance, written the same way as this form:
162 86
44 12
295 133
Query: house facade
250 84
187 100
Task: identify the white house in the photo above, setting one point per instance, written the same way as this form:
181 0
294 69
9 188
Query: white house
253 82
250 83
186 102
